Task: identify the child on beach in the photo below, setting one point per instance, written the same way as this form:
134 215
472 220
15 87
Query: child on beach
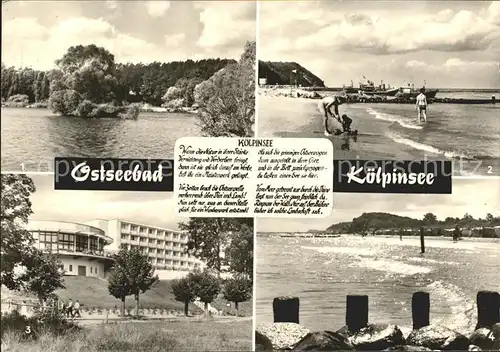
325 105
346 123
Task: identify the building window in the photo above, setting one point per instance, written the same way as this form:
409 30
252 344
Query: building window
123 246
96 270
70 267
151 231
124 236
81 243
91 270
66 242
142 239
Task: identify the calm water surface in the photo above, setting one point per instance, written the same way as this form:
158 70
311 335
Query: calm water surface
31 138
321 272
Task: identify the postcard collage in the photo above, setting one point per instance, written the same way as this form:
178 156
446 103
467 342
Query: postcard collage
247 175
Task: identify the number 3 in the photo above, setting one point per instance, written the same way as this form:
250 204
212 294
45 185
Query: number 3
490 170
28 329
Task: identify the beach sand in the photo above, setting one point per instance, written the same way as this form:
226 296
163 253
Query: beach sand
382 134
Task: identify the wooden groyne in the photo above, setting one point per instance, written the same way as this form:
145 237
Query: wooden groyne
359 334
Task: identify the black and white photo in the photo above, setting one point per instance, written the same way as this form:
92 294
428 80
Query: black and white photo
122 79
372 264
95 270
384 80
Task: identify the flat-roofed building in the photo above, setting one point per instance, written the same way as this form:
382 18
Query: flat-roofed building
79 247
165 248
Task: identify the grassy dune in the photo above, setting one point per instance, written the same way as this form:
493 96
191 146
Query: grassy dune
184 335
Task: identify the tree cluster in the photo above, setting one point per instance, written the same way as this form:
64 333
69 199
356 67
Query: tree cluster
206 286
24 267
288 73
374 222
222 242
35 85
92 72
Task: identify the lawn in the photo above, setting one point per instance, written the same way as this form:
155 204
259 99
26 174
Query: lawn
183 335
93 292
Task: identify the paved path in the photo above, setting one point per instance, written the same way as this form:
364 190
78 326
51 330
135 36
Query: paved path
216 319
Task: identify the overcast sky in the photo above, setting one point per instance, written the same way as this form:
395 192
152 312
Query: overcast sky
468 197
35 33
445 43
149 208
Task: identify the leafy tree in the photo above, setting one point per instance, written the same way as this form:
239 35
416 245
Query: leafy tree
206 286
41 275
16 240
238 289
239 252
429 219
227 99
184 291
206 239
489 217
118 286
137 271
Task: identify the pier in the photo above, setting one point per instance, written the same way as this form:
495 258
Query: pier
405 100
359 334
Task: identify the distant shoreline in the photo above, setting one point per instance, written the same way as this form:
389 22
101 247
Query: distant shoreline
278 234
443 90
144 108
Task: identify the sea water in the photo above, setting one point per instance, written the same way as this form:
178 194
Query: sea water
321 272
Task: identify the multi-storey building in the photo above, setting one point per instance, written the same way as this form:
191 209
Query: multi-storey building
165 248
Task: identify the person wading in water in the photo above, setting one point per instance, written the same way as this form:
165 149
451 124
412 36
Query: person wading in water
325 106
422 105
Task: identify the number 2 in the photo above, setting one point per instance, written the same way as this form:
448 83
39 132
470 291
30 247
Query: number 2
490 170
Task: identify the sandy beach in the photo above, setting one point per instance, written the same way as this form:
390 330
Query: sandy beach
390 131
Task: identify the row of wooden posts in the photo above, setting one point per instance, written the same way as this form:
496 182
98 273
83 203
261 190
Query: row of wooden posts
286 310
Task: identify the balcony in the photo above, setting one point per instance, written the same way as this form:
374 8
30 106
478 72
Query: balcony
108 254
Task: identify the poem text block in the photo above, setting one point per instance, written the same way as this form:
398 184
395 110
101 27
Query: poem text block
246 177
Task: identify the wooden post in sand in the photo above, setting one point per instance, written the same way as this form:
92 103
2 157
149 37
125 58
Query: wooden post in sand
356 312
488 309
420 309
422 243
286 310
106 319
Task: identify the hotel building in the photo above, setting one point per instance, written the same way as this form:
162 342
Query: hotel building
87 249
165 248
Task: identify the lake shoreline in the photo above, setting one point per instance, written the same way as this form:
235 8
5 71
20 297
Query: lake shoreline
146 108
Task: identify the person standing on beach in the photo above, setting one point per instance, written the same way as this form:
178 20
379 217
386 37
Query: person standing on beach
422 105
325 106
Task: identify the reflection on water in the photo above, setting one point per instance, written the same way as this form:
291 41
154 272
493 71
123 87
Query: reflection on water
33 137
321 272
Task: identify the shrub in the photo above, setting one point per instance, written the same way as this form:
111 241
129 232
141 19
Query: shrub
33 327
